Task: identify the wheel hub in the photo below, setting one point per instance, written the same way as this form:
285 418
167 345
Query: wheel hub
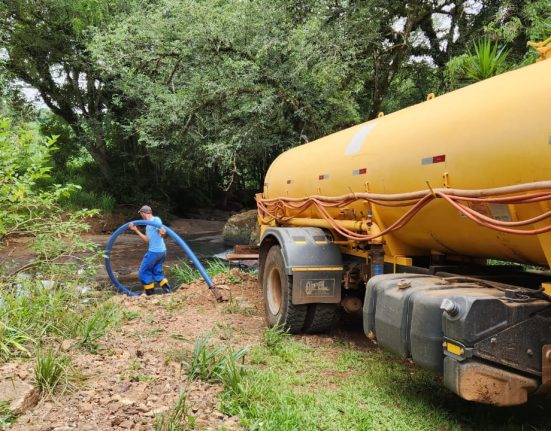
274 292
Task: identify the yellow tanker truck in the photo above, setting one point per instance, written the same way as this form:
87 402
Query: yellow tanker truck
397 218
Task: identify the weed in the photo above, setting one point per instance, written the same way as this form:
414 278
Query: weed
223 330
214 364
183 273
7 416
172 304
52 372
232 371
12 340
275 336
177 418
84 199
134 374
129 315
96 325
233 278
236 307
216 266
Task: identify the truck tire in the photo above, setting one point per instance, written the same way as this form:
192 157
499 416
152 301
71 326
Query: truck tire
277 291
319 318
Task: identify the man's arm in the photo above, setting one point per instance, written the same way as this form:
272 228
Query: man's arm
133 227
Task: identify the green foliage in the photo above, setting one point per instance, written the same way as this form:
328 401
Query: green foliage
13 341
234 306
52 372
210 92
275 337
177 418
487 60
81 199
484 60
31 310
29 208
336 387
95 325
215 364
185 273
7 416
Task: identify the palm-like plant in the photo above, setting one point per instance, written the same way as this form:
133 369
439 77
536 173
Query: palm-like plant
487 60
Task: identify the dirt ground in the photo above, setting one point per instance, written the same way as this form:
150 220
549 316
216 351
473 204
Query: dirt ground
136 374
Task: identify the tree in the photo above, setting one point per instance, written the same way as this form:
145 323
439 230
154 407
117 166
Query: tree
223 87
45 45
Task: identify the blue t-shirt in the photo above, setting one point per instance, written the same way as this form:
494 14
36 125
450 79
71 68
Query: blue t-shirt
156 242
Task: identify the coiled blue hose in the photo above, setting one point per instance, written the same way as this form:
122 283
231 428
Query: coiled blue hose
170 232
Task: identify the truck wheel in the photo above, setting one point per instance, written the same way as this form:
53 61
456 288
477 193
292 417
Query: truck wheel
319 318
277 288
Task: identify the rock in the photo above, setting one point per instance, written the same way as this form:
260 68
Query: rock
86 408
117 421
66 345
23 374
126 424
23 396
242 228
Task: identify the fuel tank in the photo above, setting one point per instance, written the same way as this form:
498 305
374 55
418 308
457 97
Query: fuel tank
491 134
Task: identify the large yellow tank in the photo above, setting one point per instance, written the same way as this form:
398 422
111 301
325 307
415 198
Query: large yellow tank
491 134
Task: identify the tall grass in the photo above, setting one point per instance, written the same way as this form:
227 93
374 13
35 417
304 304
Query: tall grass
81 199
95 325
31 312
213 363
51 372
184 273
177 418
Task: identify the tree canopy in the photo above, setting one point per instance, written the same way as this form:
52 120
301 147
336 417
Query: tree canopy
187 102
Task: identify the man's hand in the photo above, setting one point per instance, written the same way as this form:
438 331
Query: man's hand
162 232
133 227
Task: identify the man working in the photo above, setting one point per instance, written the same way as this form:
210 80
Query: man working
151 268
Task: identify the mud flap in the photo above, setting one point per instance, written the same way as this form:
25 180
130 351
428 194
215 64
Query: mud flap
319 287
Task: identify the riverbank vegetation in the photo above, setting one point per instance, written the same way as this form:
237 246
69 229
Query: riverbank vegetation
186 103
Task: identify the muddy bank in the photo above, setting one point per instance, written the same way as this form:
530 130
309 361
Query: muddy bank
203 236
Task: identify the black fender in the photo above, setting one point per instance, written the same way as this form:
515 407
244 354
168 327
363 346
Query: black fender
311 258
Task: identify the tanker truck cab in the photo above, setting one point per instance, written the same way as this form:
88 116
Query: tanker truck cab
439 238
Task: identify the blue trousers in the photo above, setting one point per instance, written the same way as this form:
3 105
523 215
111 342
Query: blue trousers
151 268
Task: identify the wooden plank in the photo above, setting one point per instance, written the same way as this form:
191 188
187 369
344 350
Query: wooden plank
235 256
246 249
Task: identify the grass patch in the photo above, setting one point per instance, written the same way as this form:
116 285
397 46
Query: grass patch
134 374
289 386
52 372
96 325
30 312
7 416
183 273
177 418
212 363
236 307
84 199
13 341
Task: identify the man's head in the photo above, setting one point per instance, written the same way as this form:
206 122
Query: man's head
145 212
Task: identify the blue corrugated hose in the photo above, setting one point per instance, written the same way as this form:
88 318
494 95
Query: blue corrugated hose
172 234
